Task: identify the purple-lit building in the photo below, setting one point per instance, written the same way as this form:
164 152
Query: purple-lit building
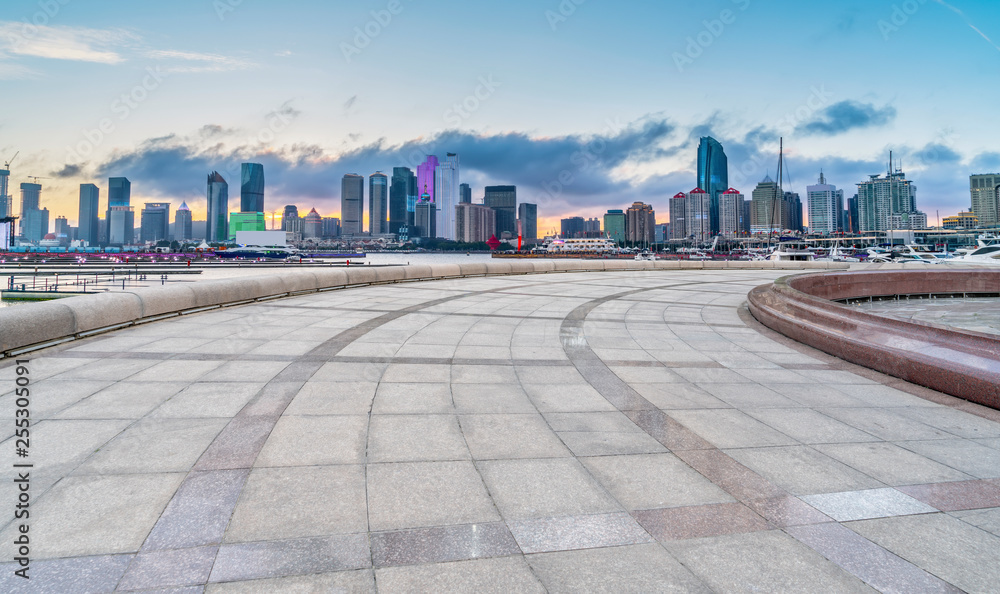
425 176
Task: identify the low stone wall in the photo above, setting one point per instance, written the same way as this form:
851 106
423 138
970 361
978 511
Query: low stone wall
962 363
29 327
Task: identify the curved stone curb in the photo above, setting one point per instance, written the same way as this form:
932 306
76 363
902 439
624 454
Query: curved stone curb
962 363
45 324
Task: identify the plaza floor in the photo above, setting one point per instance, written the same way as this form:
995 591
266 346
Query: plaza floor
579 432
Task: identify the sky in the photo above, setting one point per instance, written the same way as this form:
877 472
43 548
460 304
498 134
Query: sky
585 105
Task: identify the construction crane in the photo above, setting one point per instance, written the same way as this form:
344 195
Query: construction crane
7 164
37 177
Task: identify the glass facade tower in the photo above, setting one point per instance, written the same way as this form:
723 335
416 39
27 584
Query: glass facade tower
90 197
252 187
217 226
352 204
378 202
402 198
713 176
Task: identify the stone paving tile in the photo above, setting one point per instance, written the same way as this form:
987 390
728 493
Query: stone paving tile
955 422
313 441
867 505
985 519
175 371
409 373
178 567
891 464
958 495
768 561
887 424
123 400
111 370
593 443
960 554
699 375
483 374
279 503
502 436
609 422
442 543
333 398
786 511
730 428
817 396
647 375
356 582
561 376
419 494
752 396
542 535
637 568
413 398
279 558
698 521
524 489
237 445
653 481
667 431
802 470
199 511
964 455
491 398
54 396
570 398
884 396
222 399
498 575
245 371
415 438
878 568
679 396
154 445
80 574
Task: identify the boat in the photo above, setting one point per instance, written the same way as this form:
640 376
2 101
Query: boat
792 251
254 252
646 255
989 254
598 245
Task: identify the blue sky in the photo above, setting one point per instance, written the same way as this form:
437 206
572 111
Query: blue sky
609 97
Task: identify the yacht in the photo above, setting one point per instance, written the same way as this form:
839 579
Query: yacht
599 245
989 254
646 255
792 251
253 252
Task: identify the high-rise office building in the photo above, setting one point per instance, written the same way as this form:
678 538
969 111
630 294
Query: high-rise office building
795 218
34 224
378 203
678 214
246 221
312 225
697 209
527 215
465 193
252 187
963 220
424 220
571 228
90 197
63 228
119 194
6 202
402 198
826 207
154 222
331 227
503 199
121 225
767 209
713 176
425 176
352 204
217 225
614 225
985 189
290 213
474 222
888 202
183 223
852 224
446 197
731 212
640 220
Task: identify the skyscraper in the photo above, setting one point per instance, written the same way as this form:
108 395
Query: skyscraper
312 225
713 176
614 225
378 202
888 202
678 216
291 222
217 225
503 199
352 203
527 214
183 223
402 188
474 222
90 197
252 187
826 207
425 176
121 225
697 208
6 205
640 219
767 209
731 212
985 189
119 194
34 219
154 221
446 197
465 193
571 228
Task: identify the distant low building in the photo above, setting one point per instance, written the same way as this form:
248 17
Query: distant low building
245 221
963 220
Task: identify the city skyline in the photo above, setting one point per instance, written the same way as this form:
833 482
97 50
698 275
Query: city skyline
161 77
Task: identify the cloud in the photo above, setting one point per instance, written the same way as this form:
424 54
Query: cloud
350 103
935 153
64 43
195 62
68 171
988 162
847 115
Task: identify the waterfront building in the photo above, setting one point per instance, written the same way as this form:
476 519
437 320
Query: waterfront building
768 212
826 207
697 213
6 200
246 221
63 228
446 195
713 176
614 225
352 203
378 203
851 223
571 228
252 187
640 218
985 189
465 193
424 219
121 225
154 222
331 227
426 177
289 215
794 209
87 228
731 212
312 225
678 214
34 223
402 198
527 215
183 223
889 202
503 199
119 194
474 222
963 220
217 224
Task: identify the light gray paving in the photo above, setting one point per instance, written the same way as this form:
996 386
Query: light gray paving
562 433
